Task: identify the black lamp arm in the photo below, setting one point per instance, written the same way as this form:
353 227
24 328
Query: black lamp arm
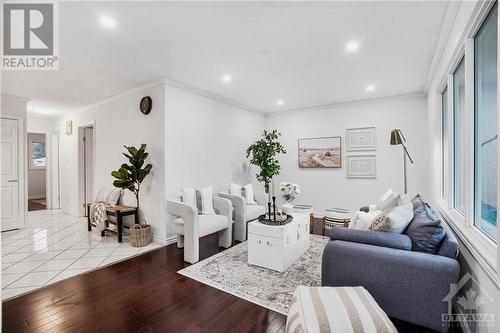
407 153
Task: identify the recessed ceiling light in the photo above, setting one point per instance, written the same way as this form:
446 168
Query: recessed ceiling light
370 87
226 78
352 46
107 21
280 102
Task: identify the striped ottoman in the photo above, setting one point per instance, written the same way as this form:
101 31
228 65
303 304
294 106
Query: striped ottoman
336 309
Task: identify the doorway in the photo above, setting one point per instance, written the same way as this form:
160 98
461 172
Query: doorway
37 171
86 166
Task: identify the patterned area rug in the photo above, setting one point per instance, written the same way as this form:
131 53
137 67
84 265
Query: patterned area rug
230 272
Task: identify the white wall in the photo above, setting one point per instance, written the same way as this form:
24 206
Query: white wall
36 177
118 122
40 124
205 142
326 188
469 262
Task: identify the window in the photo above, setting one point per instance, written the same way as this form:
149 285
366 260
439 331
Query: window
485 126
444 143
459 138
37 152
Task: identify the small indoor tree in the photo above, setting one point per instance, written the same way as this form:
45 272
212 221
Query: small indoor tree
263 154
130 176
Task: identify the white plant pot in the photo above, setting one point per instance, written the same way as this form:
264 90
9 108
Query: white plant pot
287 208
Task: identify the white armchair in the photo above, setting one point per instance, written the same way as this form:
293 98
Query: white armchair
190 226
244 213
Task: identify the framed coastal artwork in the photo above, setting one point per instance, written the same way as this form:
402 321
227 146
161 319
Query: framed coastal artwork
363 138
361 166
323 152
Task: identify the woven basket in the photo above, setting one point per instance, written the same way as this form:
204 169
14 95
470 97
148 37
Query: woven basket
140 235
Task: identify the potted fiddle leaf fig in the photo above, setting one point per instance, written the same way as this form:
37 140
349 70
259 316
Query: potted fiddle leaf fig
263 154
130 176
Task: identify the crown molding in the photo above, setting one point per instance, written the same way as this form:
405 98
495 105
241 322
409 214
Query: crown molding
125 93
347 103
449 19
14 98
218 98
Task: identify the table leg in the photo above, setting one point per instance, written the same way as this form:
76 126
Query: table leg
89 225
311 223
323 220
119 226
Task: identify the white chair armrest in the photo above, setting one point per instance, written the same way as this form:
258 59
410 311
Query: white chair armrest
186 212
223 206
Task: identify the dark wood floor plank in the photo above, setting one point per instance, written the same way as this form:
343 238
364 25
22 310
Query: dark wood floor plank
143 294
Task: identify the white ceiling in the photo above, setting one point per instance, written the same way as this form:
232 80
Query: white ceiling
294 51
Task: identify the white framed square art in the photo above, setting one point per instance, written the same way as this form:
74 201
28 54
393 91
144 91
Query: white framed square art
362 138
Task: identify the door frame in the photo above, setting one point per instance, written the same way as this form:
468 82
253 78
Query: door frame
81 164
21 165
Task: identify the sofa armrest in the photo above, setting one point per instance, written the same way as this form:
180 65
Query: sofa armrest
260 197
238 203
385 239
407 285
223 207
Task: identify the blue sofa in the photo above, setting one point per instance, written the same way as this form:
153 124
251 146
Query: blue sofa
408 285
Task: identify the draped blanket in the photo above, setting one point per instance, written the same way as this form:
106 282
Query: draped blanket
98 215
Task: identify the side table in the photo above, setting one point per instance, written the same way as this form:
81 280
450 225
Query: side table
118 211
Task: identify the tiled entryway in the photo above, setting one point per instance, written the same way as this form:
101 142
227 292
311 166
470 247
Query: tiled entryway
54 246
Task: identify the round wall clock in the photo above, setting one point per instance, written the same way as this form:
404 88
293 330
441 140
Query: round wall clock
146 104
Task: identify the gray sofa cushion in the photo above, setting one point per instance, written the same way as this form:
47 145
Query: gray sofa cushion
425 231
385 239
418 201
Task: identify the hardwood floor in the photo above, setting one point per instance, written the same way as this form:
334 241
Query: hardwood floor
32 205
144 294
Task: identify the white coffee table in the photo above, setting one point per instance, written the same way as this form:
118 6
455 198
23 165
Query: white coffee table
278 247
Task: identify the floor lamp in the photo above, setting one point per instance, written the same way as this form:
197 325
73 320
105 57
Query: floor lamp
397 138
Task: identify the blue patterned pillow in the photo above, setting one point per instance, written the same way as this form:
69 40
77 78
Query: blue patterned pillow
425 230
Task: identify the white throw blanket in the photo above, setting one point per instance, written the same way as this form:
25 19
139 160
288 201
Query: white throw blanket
98 215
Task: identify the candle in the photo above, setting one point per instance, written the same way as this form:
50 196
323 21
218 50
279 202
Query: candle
272 181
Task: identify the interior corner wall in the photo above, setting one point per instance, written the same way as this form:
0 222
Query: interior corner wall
118 122
327 188
205 142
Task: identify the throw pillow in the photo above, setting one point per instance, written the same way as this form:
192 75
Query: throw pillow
249 194
425 231
379 221
235 189
101 195
207 206
387 201
364 219
394 220
418 201
189 196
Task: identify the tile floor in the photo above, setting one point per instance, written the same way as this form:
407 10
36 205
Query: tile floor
53 247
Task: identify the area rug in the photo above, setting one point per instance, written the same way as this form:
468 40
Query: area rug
230 272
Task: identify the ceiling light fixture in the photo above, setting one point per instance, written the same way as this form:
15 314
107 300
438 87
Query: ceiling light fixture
107 21
352 46
370 87
226 78
280 102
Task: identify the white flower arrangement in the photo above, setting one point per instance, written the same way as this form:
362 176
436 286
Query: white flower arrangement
289 191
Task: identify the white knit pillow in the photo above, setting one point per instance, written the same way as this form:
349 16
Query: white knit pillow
235 189
113 196
249 194
189 196
207 206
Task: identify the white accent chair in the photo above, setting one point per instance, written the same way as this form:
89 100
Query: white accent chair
190 226
244 213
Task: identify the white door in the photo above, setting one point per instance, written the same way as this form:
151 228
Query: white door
89 164
9 172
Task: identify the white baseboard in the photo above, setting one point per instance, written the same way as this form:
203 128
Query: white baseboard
168 241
